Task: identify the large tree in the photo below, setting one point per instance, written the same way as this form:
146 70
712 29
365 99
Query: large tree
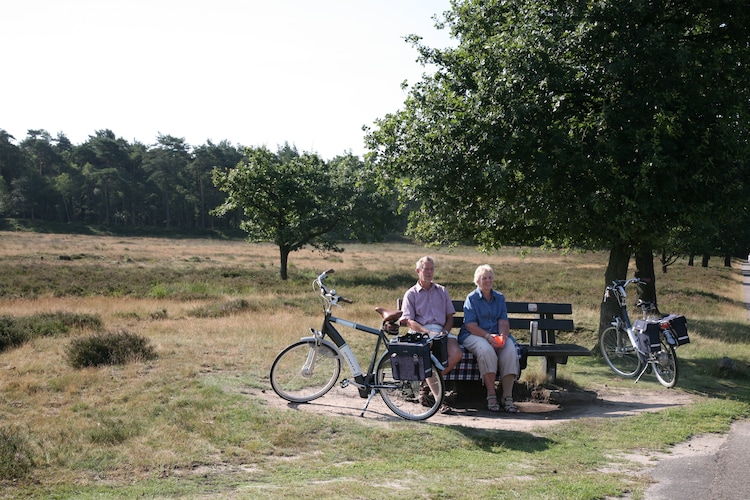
296 200
595 124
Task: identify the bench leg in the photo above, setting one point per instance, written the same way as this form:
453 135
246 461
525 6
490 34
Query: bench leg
549 366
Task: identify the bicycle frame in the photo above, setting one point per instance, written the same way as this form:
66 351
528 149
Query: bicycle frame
340 345
622 322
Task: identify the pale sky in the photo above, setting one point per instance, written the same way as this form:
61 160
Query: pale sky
253 72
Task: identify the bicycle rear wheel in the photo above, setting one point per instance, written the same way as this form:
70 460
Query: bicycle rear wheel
305 371
621 356
665 366
409 399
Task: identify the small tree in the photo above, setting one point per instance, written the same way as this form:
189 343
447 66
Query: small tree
297 200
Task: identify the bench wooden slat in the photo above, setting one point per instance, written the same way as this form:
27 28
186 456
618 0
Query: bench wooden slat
563 325
558 350
542 308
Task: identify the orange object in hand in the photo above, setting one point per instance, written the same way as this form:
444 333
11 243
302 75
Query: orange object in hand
497 341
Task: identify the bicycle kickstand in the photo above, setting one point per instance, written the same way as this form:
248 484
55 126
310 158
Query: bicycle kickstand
367 403
646 366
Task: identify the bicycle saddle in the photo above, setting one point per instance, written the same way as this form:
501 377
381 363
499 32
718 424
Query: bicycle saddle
388 314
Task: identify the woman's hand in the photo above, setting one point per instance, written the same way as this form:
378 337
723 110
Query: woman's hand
496 341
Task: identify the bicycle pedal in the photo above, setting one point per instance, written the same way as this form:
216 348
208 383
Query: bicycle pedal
345 383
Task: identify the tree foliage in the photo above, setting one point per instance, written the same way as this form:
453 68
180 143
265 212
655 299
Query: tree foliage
110 181
296 200
601 124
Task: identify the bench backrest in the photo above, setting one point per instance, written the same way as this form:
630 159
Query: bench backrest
521 314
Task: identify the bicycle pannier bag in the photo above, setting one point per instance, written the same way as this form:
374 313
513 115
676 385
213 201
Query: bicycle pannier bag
678 323
440 348
410 360
648 335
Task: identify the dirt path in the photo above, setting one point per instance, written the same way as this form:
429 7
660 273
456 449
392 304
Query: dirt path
606 403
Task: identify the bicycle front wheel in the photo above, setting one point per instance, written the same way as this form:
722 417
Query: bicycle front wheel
665 366
410 399
305 371
621 356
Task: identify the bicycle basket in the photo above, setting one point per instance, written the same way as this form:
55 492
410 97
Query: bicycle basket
410 360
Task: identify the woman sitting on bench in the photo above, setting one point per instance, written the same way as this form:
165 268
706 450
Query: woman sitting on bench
485 333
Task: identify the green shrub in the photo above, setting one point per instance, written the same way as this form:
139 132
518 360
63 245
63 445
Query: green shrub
15 455
16 331
58 323
10 333
113 348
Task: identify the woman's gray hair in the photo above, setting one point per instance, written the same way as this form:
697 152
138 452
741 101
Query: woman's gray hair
484 268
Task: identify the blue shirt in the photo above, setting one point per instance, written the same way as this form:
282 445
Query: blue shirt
482 312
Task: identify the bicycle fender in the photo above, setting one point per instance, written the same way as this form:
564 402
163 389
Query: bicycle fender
670 336
436 363
324 341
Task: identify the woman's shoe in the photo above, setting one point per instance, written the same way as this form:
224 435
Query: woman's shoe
492 404
509 406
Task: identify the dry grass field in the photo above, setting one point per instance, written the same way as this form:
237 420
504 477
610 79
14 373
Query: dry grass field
217 313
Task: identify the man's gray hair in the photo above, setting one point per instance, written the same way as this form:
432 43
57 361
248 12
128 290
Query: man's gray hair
421 262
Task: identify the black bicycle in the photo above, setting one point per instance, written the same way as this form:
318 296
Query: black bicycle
308 369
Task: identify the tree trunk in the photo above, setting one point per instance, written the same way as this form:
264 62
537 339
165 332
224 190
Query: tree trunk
727 261
167 221
284 257
704 261
644 269
617 268
691 260
203 205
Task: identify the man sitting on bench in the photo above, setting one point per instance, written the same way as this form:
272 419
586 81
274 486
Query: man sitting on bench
427 308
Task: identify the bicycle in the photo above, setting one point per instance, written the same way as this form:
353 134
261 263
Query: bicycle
309 368
649 345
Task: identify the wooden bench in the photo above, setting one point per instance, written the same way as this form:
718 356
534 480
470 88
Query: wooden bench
521 315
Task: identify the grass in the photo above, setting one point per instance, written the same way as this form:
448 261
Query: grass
183 426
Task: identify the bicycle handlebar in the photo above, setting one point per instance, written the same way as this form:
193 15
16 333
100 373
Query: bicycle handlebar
618 287
329 295
624 283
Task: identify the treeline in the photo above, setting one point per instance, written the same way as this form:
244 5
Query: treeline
108 180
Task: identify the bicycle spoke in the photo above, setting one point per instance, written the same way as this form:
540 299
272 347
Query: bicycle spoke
619 353
304 371
665 367
409 399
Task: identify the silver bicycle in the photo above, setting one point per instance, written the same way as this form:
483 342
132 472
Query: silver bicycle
646 346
